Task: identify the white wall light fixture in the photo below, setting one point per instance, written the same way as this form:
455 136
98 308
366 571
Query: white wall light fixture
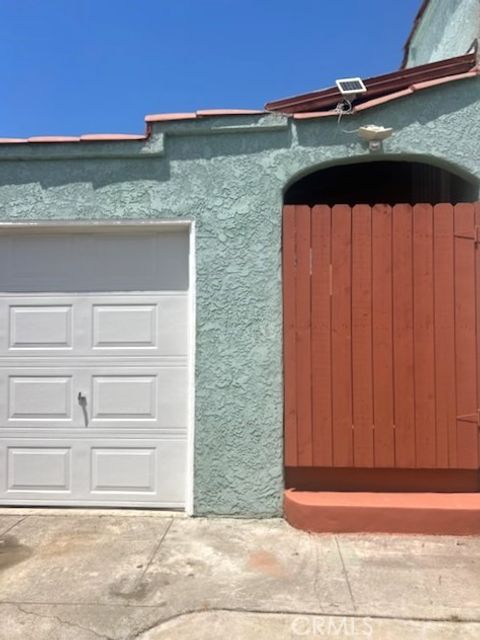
374 135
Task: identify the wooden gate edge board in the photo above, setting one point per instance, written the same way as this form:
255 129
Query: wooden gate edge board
381 316
289 335
444 336
477 309
466 257
303 335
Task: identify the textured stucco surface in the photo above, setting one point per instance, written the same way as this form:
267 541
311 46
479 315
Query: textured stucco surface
447 29
228 174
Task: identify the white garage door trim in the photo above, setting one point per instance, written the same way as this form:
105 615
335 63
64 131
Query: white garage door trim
123 227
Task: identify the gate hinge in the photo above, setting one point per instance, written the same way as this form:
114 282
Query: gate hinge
475 237
473 418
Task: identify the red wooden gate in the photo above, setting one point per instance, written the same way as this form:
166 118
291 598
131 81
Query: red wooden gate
380 336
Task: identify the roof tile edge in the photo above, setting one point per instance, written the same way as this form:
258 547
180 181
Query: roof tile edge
202 113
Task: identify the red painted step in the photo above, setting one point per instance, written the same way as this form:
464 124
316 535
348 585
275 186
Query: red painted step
357 512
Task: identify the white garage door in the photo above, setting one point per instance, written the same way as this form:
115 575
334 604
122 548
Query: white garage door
94 367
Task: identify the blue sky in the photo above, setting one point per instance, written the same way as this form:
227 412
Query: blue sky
87 66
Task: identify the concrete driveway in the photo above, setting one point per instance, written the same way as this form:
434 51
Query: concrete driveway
124 575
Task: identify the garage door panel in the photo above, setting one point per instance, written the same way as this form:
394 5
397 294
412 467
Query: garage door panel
135 397
115 469
36 326
98 326
124 325
40 327
124 397
40 397
150 327
97 472
33 397
39 469
141 326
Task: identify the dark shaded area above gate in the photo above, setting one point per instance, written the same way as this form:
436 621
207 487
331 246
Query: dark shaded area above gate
386 182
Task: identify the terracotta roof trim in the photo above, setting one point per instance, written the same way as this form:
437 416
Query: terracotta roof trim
205 113
129 137
375 102
377 86
89 137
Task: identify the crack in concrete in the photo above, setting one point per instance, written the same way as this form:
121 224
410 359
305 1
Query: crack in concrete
70 603
160 622
137 590
357 614
67 623
344 569
8 529
317 568
155 551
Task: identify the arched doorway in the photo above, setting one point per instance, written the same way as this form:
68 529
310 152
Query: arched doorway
381 317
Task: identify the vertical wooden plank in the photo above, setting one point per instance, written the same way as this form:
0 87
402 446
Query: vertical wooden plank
289 336
424 347
465 335
444 301
321 337
362 336
384 442
476 207
404 389
341 337
303 344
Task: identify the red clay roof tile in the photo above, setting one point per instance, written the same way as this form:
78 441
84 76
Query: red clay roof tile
53 139
166 117
202 113
105 137
13 140
228 112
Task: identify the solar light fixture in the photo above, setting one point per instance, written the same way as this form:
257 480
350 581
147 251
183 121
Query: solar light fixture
374 135
372 132
351 87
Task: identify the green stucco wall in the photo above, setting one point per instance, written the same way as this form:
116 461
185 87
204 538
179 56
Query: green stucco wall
228 174
447 29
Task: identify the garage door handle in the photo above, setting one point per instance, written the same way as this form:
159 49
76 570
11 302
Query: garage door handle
82 401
